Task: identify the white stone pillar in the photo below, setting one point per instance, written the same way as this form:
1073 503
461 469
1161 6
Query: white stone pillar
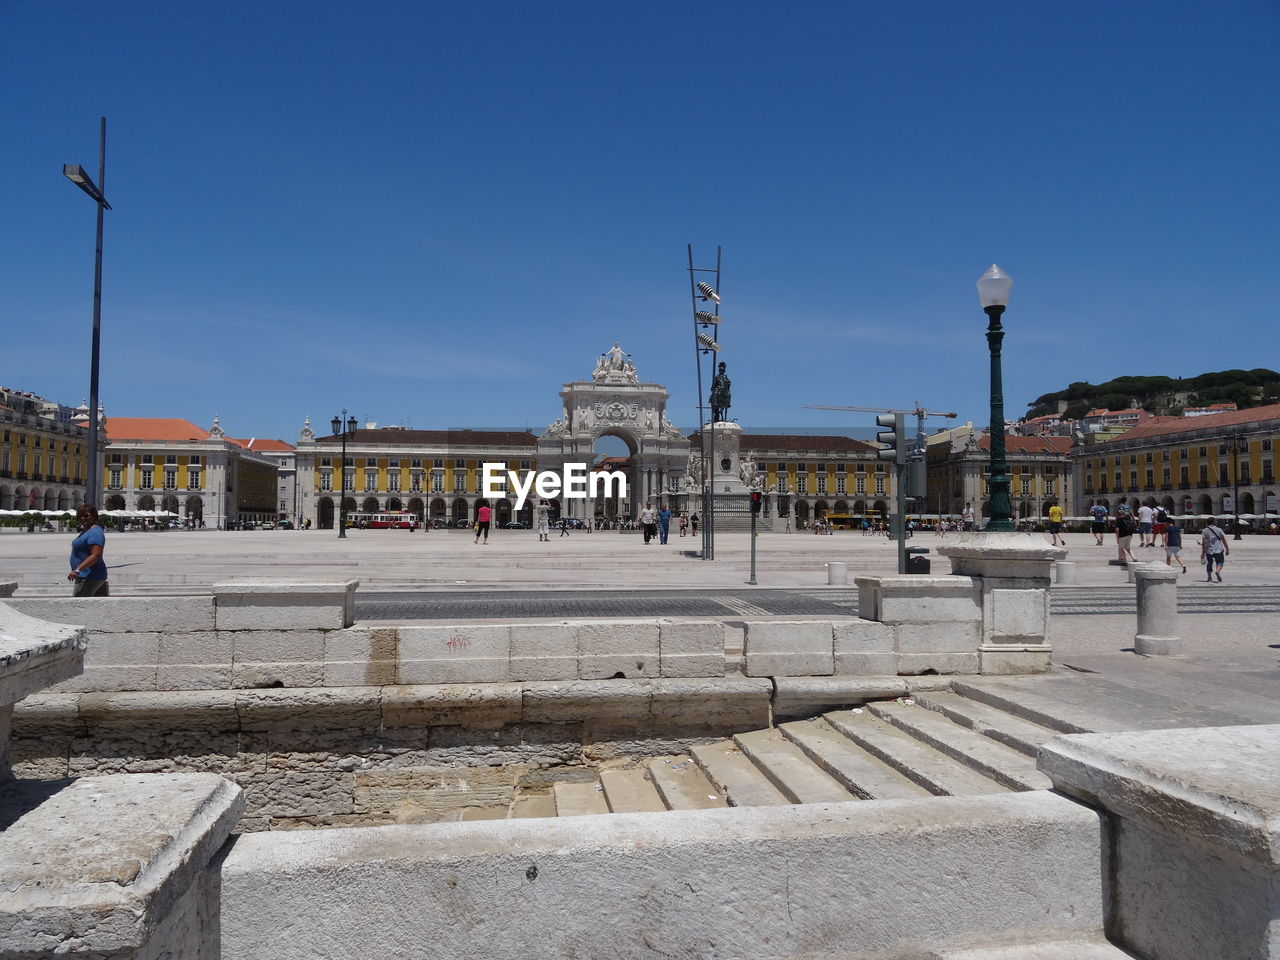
1157 633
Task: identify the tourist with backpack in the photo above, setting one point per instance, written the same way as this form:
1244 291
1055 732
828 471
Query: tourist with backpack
1213 550
1124 536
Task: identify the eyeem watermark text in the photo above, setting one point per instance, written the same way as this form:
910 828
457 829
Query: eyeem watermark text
575 482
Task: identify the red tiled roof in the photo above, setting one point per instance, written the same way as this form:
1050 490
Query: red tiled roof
1058 445
259 445
1164 426
457 438
153 428
794 441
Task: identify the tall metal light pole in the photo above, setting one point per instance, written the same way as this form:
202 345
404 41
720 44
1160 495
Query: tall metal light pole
704 343
343 428
993 294
1236 444
76 174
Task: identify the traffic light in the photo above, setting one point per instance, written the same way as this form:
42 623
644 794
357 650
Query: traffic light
895 437
757 498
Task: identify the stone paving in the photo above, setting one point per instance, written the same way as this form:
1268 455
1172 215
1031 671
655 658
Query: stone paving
185 562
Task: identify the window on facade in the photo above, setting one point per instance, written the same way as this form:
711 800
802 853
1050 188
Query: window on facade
1222 449
393 481
1184 476
147 458
193 479
1026 486
1050 486
879 484
171 458
822 483
1222 475
348 480
437 463
117 458
1266 443
349 462
1119 481
1204 473
416 462
1184 453
526 464
459 481
860 483
196 461
326 461
115 478
1266 470
415 481
1133 479
171 479
1150 479
1203 452
842 468
326 481
370 481
437 481
393 464
1244 472
147 483
802 483
842 483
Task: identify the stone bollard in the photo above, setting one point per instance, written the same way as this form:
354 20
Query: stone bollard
1132 568
1064 571
1157 610
837 573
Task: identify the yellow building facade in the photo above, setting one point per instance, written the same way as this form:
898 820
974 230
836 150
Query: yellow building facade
43 454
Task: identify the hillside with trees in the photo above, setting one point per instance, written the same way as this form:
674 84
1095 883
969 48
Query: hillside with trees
1163 395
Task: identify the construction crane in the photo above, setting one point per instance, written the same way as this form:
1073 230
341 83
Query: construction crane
919 412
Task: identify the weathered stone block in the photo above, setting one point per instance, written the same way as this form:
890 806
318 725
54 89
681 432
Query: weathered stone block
861 637
123 614
360 673
693 665
607 648
353 709
456 642
291 674
284 605
278 646
191 676
1019 612
1015 659
691 648
122 650
362 643
109 680
810 696
866 665
455 670
544 640
924 607
489 706
586 700
544 668
789 648
914 663
208 647
724 701
939 637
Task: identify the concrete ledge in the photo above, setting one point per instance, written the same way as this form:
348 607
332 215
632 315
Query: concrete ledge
918 599
808 696
123 614
1196 817
35 654
284 605
114 866
743 882
789 648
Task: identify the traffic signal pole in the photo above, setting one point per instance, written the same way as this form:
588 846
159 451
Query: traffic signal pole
897 453
756 499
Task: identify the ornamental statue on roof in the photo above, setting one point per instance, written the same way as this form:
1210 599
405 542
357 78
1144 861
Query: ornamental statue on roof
615 366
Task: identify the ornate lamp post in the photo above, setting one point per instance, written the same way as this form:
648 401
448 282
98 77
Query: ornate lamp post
1237 444
993 294
343 428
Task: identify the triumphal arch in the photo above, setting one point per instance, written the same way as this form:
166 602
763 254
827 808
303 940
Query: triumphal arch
616 403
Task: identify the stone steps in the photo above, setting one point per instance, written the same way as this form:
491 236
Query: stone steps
943 744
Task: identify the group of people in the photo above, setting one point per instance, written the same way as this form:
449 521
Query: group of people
1152 523
655 522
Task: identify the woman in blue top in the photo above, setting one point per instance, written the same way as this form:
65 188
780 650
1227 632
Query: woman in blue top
88 570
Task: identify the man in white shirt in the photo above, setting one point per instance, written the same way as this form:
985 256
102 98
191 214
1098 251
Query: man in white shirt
649 521
966 517
1146 537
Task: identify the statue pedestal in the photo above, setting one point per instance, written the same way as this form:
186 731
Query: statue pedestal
732 497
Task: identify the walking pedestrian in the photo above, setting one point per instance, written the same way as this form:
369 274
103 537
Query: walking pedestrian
1099 513
1124 537
88 570
1213 550
1160 526
966 518
1146 518
542 514
649 521
1173 545
1055 526
564 527
664 523
693 524
483 518
684 524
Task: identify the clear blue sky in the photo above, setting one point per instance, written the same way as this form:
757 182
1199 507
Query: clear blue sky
434 214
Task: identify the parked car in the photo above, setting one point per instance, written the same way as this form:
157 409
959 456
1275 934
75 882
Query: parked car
574 523
516 525
463 523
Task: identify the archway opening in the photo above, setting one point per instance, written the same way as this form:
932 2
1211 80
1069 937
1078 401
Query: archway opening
615 451
324 513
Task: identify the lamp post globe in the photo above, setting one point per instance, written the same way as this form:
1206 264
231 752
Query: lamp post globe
993 295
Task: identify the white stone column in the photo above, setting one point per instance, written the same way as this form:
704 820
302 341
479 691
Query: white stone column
1157 633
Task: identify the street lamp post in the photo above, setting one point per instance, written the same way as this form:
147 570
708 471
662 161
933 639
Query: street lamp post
1236 444
993 294
705 343
343 428
77 175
